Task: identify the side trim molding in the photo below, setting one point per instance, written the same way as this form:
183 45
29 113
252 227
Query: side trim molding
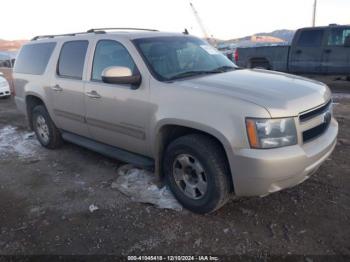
125 130
69 115
118 128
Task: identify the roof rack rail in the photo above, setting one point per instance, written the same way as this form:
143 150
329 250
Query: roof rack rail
53 36
102 30
93 30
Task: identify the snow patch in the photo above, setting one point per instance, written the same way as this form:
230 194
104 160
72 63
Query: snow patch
140 186
93 208
17 142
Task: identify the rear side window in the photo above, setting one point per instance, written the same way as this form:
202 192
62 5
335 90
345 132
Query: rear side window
72 59
311 38
33 58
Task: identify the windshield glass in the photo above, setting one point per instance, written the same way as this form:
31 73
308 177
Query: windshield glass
178 57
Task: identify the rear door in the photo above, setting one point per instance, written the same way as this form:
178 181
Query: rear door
336 54
306 52
67 88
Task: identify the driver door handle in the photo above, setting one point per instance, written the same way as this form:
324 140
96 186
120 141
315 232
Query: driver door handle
93 94
57 88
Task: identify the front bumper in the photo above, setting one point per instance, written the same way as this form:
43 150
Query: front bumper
5 91
258 172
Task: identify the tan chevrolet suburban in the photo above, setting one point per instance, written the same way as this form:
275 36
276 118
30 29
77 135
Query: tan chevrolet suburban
172 102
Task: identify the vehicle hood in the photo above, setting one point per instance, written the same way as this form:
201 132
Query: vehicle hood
281 94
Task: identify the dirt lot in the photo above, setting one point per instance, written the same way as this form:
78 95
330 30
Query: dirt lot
45 198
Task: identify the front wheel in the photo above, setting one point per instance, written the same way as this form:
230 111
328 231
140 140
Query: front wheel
197 173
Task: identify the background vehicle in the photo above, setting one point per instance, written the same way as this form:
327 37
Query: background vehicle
315 50
174 102
4 87
7 60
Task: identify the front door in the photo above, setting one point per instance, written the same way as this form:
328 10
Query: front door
117 115
67 88
336 53
306 52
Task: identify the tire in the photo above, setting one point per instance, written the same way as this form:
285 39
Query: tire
212 161
46 132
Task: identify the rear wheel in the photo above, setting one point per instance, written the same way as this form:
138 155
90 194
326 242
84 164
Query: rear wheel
44 128
197 173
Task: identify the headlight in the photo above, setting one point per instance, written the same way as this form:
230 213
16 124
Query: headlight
271 133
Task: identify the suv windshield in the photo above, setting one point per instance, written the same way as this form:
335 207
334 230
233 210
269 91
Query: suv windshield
177 57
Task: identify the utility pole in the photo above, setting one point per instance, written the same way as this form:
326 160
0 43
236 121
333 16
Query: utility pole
314 14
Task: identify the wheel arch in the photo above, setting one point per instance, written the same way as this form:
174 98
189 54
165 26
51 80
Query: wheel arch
169 130
259 61
31 101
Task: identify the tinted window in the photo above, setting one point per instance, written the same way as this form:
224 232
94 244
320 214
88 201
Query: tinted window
72 58
33 58
337 36
110 53
311 38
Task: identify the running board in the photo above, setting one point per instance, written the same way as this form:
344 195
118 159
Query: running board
109 151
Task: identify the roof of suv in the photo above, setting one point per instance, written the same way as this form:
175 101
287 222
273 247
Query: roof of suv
129 34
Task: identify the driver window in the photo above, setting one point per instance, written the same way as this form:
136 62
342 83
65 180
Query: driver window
337 36
110 53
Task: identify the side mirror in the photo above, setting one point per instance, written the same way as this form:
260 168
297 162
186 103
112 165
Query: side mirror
347 41
120 75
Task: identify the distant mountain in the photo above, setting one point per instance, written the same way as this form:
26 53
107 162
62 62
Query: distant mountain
286 35
277 37
14 45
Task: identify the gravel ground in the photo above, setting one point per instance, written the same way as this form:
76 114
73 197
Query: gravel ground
45 198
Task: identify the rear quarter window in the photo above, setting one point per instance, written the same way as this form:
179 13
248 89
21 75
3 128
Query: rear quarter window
33 58
310 38
72 59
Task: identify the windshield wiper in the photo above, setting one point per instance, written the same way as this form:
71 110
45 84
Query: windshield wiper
223 69
220 69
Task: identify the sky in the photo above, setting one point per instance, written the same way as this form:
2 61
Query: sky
223 19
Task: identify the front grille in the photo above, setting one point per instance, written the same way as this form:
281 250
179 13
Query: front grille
318 130
315 132
308 115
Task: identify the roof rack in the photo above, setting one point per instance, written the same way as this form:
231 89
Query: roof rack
93 30
53 36
99 30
